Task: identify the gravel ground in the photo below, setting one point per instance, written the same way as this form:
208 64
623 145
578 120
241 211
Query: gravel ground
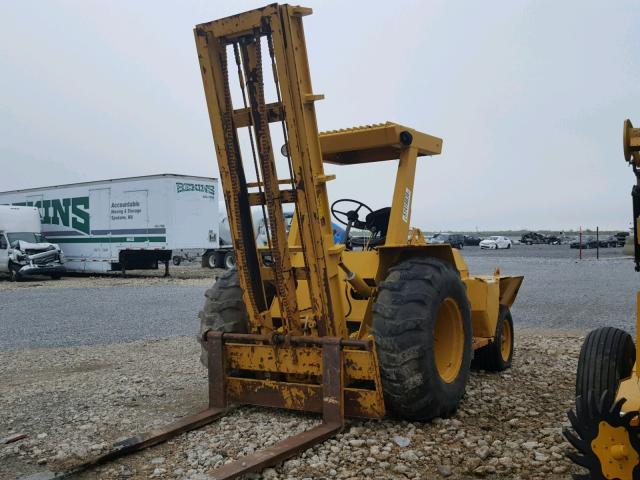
72 402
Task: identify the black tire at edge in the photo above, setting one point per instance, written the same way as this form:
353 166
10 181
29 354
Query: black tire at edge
606 357
224 309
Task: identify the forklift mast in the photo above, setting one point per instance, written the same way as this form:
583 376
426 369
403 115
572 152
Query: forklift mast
244 38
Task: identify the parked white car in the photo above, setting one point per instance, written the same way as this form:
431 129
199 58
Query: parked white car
495 242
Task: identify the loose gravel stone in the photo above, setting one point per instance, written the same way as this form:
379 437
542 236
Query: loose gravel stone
85 398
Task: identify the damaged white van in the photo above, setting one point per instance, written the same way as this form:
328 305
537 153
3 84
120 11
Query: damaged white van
23 250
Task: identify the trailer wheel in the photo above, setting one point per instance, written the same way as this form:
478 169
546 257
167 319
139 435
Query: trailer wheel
606 357
224 309
230 260
209 260
177 260
497 356
422 329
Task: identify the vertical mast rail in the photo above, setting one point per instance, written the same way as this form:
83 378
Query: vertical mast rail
212 55
316 235
284 278
282 25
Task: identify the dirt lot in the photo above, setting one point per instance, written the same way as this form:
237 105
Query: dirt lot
72 402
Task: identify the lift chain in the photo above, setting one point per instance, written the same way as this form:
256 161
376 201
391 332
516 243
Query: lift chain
241 80
234 166
282 263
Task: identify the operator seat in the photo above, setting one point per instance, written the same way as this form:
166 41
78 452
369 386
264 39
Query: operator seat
377 222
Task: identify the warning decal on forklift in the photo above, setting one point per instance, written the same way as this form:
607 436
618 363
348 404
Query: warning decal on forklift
406 205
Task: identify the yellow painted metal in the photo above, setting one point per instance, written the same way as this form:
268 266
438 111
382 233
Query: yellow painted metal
374 143
356 282
448 337
359 364
358 402
416 237
320 288
615 452
631 143
483 294
629 389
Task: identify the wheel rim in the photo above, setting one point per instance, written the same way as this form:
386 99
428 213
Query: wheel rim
230 261
505 345
613 448
212 261
448 340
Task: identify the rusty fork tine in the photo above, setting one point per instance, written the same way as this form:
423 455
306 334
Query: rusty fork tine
145 440
278 452
332 413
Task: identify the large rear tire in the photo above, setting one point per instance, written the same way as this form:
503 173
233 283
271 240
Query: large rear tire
606 357
422 329
497 356
224 309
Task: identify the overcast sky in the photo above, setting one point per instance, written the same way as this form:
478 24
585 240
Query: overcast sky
529 97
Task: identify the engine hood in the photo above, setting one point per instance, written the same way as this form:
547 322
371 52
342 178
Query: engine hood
33 247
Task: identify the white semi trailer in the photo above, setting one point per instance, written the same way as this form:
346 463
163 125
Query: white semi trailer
126 223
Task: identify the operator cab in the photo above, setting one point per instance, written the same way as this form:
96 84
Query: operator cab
377 143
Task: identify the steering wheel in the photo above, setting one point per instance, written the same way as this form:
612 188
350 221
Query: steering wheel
349 218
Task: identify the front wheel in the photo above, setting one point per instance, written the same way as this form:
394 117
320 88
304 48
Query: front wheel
508 246
498 355
422 329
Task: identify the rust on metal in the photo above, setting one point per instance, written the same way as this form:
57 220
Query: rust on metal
359 402
146 440
299 360
293 339
215 364
332 415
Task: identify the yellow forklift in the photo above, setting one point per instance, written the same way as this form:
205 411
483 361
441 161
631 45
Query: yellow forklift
606 421
384 323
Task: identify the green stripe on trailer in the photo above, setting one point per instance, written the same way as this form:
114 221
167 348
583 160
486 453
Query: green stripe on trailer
107 239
